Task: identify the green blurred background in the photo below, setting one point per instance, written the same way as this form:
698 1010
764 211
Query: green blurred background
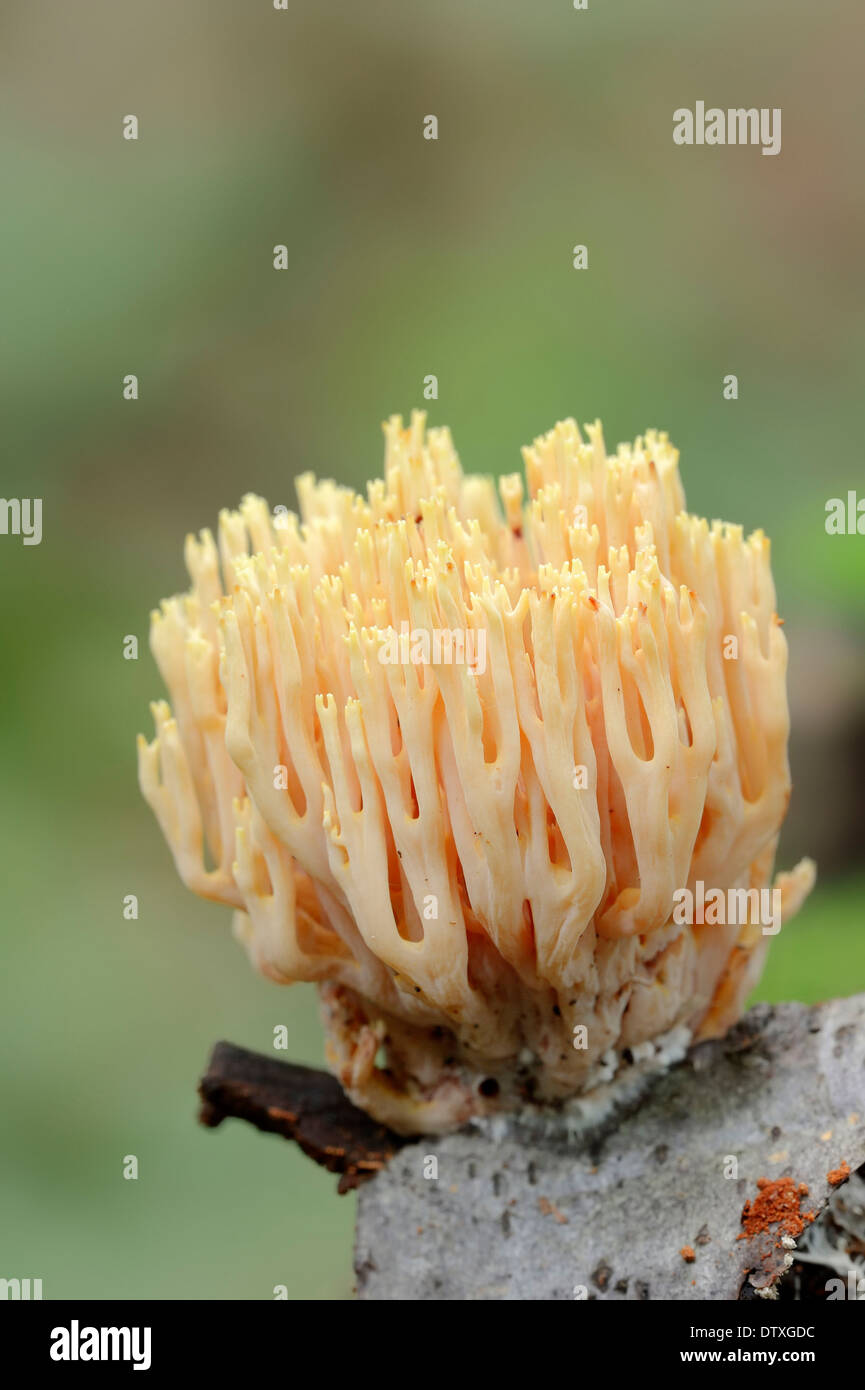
407 257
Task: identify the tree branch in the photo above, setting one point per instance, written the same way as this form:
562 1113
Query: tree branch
300 1103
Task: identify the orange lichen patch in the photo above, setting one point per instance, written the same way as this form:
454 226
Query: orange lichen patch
838 1175
548 1208
687 1253
775 1211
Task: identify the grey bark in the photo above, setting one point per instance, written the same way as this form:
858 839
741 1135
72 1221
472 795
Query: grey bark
523 1210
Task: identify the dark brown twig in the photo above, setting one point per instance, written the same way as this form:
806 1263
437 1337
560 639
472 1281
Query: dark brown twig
300 1103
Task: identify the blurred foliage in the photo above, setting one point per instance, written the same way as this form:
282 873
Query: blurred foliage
822 952
407 257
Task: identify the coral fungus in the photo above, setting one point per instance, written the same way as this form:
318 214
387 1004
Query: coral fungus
475 859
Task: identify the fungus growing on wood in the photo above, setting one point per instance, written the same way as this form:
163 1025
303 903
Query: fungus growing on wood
450 755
